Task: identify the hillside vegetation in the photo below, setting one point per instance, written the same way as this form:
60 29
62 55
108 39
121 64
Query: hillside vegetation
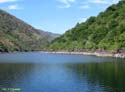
104 32
16 35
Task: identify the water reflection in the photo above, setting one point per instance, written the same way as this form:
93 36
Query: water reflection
101 76
11 74
108 76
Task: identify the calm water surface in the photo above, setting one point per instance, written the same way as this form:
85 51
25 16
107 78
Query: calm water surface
40 72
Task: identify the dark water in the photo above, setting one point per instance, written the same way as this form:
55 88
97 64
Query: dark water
38 72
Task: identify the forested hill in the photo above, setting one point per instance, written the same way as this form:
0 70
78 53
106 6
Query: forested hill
104 32
16 35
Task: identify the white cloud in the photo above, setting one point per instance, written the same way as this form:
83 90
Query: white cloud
14 7
115 1
66 3
84 7
99 1
6 1
82 20
64 6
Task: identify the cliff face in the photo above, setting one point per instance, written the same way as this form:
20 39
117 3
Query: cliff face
16 35
104 32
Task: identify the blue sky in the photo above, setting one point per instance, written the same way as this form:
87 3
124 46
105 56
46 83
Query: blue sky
55 16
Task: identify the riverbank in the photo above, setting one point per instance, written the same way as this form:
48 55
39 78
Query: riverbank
99 54
88 53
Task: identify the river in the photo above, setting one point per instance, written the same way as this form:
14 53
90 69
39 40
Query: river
46 72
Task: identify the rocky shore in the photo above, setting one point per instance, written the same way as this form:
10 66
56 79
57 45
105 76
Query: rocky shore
99 54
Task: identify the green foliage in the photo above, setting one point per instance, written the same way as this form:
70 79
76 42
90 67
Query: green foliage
16 35
106 31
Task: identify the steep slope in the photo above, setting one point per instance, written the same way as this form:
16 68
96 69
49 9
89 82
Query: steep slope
104 32
48 35
16 35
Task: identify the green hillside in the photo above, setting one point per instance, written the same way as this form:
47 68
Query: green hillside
104 32
16 35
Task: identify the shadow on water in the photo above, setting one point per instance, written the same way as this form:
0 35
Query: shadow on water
104 76
11 74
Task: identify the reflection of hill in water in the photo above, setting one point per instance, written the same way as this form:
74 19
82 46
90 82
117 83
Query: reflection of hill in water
10 74
109 75
66 77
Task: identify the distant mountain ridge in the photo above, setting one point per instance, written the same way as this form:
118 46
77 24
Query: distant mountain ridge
48 35
104 32
16 35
